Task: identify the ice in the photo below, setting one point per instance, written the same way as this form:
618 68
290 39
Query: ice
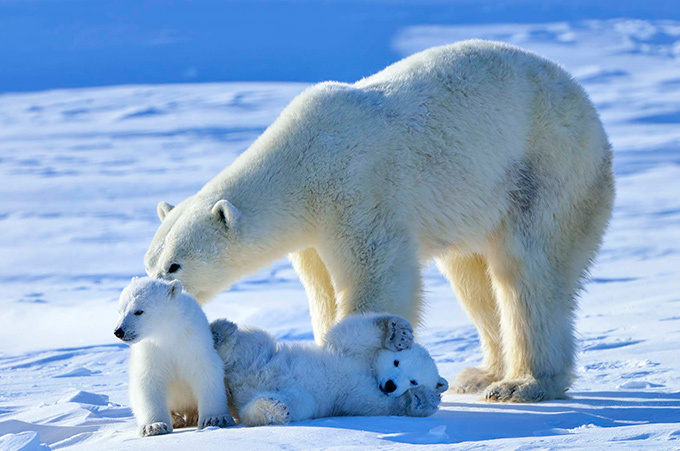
81 172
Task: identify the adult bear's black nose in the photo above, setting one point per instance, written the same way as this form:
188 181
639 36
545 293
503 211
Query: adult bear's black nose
119 333
389 386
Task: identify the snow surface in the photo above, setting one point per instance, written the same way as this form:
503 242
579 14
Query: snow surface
81 171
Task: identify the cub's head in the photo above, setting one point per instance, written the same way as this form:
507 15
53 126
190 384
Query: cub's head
145 306
195 244
399 371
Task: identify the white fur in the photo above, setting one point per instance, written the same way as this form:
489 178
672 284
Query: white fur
487 158
270 383
176 375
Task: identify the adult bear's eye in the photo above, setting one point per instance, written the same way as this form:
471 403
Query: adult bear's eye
139 312
396 363
173 268
414 382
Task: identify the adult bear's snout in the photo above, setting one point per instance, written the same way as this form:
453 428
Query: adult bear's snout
119 333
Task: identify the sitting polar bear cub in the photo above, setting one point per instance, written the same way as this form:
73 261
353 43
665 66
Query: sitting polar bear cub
368 365
176 375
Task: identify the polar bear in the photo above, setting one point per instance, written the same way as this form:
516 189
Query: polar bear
271 383
176 375
485 157
385 343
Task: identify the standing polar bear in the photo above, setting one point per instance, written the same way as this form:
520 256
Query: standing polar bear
487 158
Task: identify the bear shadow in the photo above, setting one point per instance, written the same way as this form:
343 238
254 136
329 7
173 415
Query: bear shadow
458 422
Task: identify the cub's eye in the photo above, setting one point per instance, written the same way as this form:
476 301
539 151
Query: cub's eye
139 312
396 363
414 382
173 268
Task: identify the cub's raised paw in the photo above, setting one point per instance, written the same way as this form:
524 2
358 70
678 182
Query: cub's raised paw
149 430
422 402
399 334
221 330
220 421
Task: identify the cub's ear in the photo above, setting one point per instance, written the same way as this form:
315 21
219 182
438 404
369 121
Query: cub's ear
163 208
442 385
175 288
226 213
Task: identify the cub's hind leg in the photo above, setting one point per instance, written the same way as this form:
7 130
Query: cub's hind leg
265 409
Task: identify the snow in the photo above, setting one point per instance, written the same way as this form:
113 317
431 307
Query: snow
81 171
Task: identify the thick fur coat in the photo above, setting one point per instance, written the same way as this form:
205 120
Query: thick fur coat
368 365
176 375
487 158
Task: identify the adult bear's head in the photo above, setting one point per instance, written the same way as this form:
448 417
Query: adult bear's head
198 244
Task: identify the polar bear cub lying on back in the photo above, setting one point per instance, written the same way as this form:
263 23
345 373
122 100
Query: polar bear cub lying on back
368 365
176 375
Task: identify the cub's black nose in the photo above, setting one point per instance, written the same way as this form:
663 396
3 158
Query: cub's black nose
120 333
389 386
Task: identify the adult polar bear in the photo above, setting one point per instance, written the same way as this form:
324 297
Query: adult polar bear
489 159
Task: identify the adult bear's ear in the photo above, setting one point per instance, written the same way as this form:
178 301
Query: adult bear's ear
442 385
175 289
226 212
163 208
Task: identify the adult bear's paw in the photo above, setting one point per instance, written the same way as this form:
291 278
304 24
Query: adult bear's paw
399 334
473 380
516 390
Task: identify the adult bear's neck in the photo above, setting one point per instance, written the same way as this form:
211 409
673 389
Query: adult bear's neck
269 183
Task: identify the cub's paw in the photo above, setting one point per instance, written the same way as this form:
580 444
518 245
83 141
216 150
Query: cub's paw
221 330
264 411
155 429
399 334
474 380
180 420
422 402
220 421
516 390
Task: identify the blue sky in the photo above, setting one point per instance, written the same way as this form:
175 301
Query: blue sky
48 44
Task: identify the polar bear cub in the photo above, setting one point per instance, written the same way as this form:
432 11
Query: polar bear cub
385 343
176 375
275 383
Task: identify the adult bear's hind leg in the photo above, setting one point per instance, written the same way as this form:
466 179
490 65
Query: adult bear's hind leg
472 285
537 305
537 263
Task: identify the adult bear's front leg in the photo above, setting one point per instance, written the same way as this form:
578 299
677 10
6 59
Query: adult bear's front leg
374 268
